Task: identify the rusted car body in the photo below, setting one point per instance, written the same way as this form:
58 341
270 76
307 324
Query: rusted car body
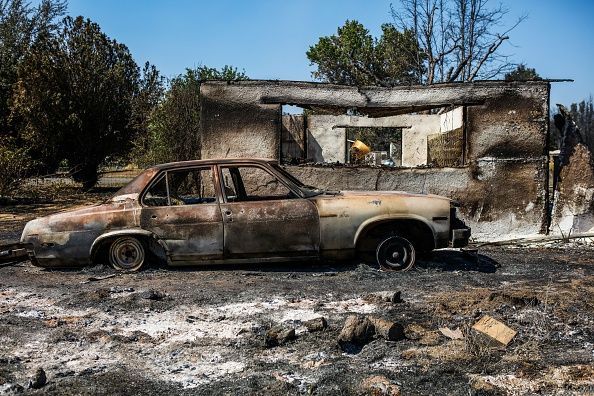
241 210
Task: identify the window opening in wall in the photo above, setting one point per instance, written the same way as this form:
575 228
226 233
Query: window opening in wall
374 145
293 135
434 138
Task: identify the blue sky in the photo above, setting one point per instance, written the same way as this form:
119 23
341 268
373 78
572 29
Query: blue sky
269 38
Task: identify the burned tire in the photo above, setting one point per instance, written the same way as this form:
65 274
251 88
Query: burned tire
126 254
395 253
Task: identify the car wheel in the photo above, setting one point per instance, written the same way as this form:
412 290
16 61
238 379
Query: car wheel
395 253
126 254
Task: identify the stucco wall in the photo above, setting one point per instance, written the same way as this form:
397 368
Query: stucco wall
502 187
451 120
234 125
326 142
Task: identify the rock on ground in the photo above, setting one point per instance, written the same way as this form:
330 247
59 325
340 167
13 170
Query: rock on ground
317 324
278 335
386 329
357 330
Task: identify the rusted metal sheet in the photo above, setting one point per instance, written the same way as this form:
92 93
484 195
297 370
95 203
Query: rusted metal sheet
293 137
446 149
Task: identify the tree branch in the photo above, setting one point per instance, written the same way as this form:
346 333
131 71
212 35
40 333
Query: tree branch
486 56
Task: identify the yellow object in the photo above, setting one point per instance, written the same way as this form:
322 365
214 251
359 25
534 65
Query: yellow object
360 149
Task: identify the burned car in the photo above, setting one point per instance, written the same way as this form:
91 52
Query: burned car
243 210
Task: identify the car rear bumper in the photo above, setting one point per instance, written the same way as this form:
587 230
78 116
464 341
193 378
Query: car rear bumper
459 232
459 237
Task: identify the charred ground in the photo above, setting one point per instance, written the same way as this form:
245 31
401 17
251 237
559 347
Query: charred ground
202 331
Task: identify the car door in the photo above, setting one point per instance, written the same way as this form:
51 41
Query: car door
182 208
263 217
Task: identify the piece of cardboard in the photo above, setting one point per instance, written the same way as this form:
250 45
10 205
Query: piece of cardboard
495 329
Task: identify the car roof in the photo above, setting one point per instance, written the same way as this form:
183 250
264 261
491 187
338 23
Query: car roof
214 161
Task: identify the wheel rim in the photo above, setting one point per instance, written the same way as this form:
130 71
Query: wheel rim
395 254
126 254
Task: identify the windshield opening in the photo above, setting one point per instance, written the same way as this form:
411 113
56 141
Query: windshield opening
136 185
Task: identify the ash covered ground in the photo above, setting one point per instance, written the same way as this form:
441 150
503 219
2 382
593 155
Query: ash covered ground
203 330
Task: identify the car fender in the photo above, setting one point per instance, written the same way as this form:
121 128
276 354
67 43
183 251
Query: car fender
390 217
125 232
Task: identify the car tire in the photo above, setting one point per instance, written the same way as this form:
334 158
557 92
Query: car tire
395 253
127 254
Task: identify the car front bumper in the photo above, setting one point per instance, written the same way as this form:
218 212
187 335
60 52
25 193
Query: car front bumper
17 252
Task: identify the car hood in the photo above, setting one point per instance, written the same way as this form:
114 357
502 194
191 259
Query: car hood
391 194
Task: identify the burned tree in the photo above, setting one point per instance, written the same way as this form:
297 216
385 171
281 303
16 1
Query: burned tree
457 38
573 210
583 115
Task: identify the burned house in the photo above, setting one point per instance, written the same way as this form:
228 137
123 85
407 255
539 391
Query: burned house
484 144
